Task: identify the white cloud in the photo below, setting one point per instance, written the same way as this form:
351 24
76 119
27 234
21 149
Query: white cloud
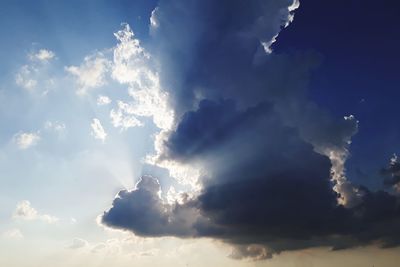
26 212
26 140
28 75
154 23
91 73
121 119
98 130
349 195
151 102
24 77
289 13
132 66
15 234
129 57
174 196
103 100
42 55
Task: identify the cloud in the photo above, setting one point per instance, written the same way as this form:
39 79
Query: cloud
143 211
42 55
154 23
98 130
260 218
267 182
78 243
269 162
122 119
35 74
146 103
133 66
91 73
25 211
24 77
205 55
26 140
103 100
130 59
56 126
110 247
254 252
392 173
14 233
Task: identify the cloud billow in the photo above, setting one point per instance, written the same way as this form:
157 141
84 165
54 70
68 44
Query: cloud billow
272 161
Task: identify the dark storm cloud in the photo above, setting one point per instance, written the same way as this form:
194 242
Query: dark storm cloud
210 49
262 218
213 49
209 127
243 115
143 212
273 194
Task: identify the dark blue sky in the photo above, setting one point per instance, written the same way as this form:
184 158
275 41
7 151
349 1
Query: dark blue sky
359 45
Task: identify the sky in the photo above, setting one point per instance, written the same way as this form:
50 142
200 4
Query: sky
199 133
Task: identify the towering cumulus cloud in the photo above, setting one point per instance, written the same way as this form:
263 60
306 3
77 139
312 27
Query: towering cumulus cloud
271 162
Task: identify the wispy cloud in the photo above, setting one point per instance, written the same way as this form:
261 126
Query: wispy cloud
26 140
91 73
25 211
34 74
25 77
103 100
78 243
14 233
98 130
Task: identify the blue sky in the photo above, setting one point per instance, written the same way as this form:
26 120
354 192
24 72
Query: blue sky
195 133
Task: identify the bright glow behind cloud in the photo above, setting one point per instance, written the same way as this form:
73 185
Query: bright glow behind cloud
132 65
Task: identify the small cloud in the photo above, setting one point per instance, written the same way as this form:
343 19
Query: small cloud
42 55
98 247
26 212
24 77
120 118
98 130
103 100
146 253
26 140
55 126
110 247
15 234
91 73
78 243
154 23
253 252
35 74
